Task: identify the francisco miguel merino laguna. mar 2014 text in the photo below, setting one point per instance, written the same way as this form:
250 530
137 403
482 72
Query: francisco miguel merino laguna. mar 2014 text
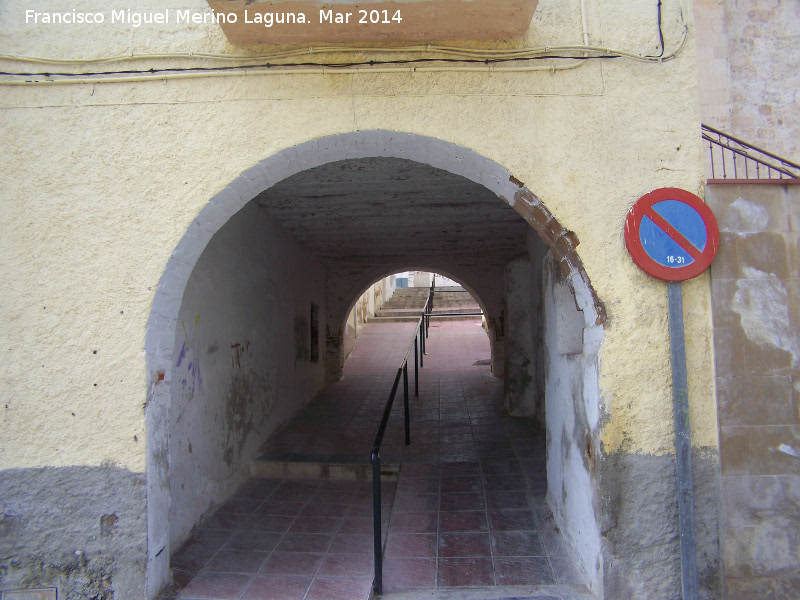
268 19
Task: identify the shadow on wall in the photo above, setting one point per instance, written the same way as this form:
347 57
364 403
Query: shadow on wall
245 362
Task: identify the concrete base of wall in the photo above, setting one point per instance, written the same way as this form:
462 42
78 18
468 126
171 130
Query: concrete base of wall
82 530
641 547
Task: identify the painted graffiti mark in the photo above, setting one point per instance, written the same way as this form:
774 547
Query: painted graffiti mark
239 350
189 375
248 401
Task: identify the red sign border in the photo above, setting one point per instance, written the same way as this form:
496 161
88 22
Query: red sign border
634 244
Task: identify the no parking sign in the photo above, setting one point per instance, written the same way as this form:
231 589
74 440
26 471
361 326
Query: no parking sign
671 234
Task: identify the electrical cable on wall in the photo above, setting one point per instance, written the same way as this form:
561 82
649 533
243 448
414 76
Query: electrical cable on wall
661 32
446 58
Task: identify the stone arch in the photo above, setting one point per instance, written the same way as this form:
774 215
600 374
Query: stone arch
163 318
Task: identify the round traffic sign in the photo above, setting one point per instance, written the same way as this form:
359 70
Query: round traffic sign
671 234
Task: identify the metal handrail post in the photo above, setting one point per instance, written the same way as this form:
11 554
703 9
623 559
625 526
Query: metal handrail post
427 320
376 521
422 342
416 366
405 403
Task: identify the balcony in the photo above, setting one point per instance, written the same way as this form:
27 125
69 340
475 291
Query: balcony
306 21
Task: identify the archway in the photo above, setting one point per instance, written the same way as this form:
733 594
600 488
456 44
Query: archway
235 213
340 314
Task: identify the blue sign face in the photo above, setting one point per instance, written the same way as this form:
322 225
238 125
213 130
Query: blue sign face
662 247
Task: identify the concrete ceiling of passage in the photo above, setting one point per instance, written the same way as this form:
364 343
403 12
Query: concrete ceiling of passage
389 212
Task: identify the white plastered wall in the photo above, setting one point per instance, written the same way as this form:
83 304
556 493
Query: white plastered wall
243 364
572 406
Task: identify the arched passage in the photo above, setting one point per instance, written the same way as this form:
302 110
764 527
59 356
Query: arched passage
406 301
473 287
267 217
480 288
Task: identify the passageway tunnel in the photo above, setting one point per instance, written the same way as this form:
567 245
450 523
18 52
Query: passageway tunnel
260 298
366 218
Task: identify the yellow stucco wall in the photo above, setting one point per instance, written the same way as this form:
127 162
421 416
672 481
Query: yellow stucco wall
100 181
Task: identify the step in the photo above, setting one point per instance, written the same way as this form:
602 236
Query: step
407 312
399 312
410 293
401 306
320 470
394 319
458 309
455 298
449 302
435 318
506 592
409 318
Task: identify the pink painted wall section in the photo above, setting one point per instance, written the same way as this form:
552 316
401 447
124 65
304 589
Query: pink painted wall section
300 21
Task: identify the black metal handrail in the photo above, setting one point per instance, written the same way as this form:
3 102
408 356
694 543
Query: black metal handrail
428 309
420 333
744 160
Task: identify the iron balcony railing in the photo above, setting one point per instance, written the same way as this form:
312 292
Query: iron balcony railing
731 158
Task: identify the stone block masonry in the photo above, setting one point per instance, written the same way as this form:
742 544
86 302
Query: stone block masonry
756 304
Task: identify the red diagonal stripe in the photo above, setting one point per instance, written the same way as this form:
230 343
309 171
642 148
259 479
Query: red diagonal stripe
676 235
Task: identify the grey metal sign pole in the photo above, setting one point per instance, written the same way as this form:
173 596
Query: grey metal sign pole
683 443
672 235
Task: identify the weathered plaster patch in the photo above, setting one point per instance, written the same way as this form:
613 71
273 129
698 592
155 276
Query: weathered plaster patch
247 402
762 303
79 529
187 366
743 216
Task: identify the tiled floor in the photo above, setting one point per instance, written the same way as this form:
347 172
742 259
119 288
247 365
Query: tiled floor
339 425
467 511
283 540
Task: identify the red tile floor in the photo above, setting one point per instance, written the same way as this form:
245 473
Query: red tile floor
466 513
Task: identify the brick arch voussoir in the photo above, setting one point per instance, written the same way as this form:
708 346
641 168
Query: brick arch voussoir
561 242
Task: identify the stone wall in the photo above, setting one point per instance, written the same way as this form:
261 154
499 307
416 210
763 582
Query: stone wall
756 303
747 70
